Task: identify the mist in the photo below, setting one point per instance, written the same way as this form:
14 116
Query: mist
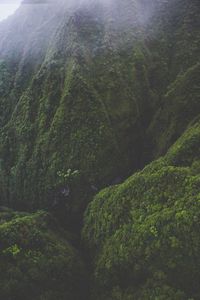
8 8
126 13
33 30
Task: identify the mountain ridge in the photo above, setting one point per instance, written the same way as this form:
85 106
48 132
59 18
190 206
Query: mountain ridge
89 95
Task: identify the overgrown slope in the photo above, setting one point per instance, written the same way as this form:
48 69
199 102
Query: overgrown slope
144 233
88 98
37 261
91 92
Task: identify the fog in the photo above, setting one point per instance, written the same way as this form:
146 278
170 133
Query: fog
7 8
40 23
121 9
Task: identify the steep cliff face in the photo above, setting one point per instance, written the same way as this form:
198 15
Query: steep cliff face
90 92
80 88
64 108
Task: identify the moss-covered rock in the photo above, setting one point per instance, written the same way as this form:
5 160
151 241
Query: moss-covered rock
37 261
181 104
144 233
113 88
91 97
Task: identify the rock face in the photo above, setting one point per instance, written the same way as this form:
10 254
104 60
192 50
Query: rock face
83 88
90 92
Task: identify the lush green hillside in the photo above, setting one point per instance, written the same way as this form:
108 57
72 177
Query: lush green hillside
89 98
37 261
91 93
144 233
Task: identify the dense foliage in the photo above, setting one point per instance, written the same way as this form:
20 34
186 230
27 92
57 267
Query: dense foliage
105 86
88 96
36 260
144 233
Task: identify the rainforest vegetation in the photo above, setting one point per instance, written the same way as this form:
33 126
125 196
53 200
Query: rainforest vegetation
100 150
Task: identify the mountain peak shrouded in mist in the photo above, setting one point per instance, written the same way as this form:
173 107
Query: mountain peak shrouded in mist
40 21
99 150
119 57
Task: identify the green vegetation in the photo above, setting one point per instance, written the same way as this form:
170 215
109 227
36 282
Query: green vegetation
144 233
103 96
180 106
36 260
89 97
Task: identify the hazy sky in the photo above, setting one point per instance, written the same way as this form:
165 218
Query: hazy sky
8 7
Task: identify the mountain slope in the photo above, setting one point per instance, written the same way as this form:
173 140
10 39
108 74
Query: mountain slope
90 93
38 260
144 233
62 106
